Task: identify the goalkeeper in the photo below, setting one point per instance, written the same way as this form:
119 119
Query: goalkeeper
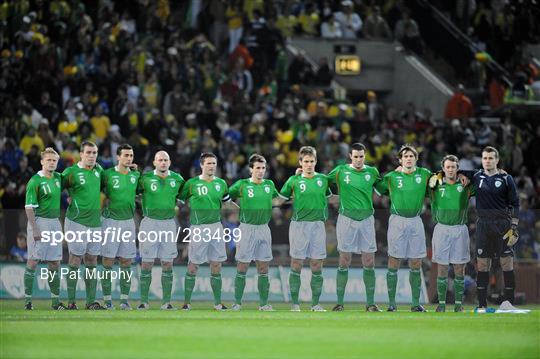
497 204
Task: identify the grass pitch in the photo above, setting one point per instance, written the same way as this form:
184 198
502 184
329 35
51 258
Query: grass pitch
204 333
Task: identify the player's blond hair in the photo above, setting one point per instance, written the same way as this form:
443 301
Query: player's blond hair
307 151
49 151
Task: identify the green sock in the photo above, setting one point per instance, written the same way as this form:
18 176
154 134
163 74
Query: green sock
71 280
125 283
264 285
106 284
146 279
215 283
166 284
316 287
369 282
414 281
90 282
391 283
29 276
459 287
239 285
294 285
54 286
189 284
342 276
442 285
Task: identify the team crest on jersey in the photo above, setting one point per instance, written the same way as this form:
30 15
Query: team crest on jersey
418 179
319 183
57 183
267 189
460 188
367 177
498 184
173 184
480 250
218 187
96 173
132 179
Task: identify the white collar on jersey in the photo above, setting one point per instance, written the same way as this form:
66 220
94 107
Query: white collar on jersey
117 170
156 174
81 166
201 178
356 169
41 174
314 174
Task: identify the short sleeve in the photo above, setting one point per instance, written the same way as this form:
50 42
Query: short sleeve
226 196
275 193
31 194
234 190
185 192
382 186
287 189
332 176
66 178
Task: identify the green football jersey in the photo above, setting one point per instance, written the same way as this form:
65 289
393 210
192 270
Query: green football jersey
159 194
43 194
120 189
450 203
255 200
355 189
407 191
84 189
205 198
309 197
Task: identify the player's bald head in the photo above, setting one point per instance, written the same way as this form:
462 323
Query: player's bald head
161 155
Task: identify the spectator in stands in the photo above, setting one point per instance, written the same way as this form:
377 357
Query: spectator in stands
31 138
286 23
535 86
351 23
323 76
459 106
300 70
496 91
309 20
520 92
374 109
408 33
234 24
376 27
19 252
331 29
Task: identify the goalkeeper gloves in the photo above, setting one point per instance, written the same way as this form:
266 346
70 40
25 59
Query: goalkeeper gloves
435 180
511 235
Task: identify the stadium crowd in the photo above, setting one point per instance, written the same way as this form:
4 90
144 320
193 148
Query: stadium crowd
215 76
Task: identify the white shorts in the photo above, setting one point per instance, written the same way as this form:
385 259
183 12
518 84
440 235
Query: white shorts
44 251
356 236
255 243
406 237
157 239
202 247
451 244
119 241
85 244
307 240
